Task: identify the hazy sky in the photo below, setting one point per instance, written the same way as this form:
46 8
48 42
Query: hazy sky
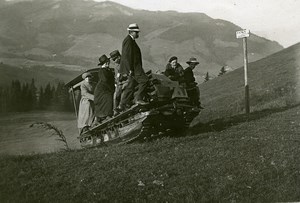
277 20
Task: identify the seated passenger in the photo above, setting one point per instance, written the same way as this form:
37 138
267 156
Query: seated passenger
174 70
86 106
191 84
104 91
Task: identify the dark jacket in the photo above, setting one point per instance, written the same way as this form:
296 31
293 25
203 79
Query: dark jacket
175 74
131 58
106 80
104 93
189 78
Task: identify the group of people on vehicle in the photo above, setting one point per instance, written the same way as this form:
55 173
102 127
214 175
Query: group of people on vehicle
185 77
119 75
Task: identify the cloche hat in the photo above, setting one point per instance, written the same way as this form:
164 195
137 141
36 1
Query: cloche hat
84 75
192 60
114 54
173 58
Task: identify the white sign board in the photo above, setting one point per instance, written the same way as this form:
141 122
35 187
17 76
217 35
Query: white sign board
243 33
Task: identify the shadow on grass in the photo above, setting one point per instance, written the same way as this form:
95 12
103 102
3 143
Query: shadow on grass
224 123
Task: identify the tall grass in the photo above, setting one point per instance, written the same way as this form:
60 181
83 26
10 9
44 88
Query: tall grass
55 131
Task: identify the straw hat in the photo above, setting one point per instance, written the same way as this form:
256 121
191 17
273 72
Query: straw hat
133 27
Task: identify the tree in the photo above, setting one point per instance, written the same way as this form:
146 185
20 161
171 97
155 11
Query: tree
32 95
206 77
41 98
66 99
4 99
222 71
15 99
24 99
61 99
48 95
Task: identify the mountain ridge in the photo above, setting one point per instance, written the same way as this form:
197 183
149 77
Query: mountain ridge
78 32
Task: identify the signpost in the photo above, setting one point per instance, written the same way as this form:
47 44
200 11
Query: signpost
244 34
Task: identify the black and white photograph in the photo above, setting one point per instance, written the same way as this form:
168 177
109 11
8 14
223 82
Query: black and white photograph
149 101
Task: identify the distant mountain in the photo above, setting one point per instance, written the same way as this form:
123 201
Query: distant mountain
274 82
76 32
41 74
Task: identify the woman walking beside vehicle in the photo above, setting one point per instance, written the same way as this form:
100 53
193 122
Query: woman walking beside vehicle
86 106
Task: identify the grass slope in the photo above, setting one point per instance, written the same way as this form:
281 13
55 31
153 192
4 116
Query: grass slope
225 159
273 81
256 161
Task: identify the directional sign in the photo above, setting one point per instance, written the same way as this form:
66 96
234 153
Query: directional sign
243 33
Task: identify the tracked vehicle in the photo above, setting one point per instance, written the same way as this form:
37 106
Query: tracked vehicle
168 113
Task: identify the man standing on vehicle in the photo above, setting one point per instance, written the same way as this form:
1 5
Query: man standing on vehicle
131 66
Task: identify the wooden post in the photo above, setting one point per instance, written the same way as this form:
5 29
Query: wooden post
244 34
75 107
247 102
74 102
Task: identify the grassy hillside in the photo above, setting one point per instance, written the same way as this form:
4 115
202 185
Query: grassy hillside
228 157
256 161
273 81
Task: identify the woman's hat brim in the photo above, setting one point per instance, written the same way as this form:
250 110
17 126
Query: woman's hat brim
134 30
195 62
84 75
100 64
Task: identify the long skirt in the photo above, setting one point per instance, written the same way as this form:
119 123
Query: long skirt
86 113
104 104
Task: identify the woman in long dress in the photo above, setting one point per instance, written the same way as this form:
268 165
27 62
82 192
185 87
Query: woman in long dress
86 106
104 91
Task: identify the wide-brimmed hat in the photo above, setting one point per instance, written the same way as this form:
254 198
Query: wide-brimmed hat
114 54
84 75
173 58
103 59
133 27
192 60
